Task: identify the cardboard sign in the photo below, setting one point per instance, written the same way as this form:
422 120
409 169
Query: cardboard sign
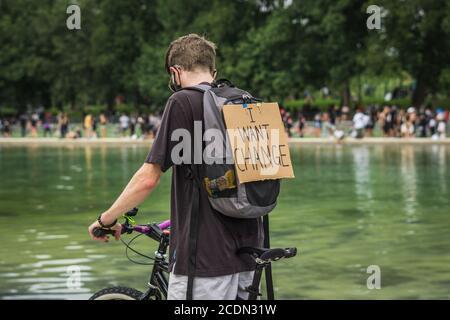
258 142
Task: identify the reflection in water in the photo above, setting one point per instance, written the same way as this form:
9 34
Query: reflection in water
339 153
439 156
103 160
44 226
50 279
409 181
67 185
88 160
125 163
363 185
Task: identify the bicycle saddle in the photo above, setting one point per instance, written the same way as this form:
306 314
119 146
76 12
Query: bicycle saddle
267 255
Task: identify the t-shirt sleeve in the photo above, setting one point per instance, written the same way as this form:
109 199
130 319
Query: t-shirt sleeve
174 117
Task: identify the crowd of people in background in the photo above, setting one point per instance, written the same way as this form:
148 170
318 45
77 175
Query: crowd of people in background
46 124
337 122
391 121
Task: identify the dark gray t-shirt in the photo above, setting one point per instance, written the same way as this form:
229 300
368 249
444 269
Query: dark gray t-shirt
219 236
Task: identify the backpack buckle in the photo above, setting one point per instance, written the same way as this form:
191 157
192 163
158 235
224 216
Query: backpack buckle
247 99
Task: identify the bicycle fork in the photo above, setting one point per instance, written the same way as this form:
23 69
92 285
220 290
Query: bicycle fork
158 283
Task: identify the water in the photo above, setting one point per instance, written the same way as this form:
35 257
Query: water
348 208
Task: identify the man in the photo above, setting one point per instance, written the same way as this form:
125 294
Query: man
124 123
360 121
23 119
220 273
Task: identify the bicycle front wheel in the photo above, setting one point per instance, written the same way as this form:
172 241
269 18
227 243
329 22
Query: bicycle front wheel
117 293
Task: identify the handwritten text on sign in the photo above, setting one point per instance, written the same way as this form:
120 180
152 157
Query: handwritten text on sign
258 142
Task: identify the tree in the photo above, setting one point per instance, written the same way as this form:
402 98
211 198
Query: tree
340 29
273 48
120 30
418 33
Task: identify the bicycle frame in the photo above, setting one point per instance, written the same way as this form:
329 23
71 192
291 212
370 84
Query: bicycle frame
158 282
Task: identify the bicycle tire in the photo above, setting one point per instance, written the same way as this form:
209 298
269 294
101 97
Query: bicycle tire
117 293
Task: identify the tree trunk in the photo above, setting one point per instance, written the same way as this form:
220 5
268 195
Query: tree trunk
346 94
419 94
359 89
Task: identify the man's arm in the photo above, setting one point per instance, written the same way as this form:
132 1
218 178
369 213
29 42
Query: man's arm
137 190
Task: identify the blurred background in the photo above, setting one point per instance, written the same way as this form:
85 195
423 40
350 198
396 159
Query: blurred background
337 77
311 56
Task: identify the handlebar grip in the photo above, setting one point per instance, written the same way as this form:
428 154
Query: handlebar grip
164 225
100 232
290 252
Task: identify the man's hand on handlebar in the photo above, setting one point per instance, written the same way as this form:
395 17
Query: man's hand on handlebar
117 228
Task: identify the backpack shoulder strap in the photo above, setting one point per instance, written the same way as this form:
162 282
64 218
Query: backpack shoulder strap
199 87
195 207
193 232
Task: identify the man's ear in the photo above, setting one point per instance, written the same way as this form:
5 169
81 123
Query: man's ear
214 74
172 69
175 75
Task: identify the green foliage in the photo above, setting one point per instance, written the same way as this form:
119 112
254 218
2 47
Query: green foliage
95 109
276 49
125 108
7 111
151 77
322 104
416 34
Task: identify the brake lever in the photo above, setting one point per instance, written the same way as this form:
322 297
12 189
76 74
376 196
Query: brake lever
132 212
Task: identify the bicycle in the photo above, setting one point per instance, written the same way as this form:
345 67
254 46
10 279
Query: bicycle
158 280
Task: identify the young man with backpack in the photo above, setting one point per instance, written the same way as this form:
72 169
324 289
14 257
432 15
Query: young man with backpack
204 262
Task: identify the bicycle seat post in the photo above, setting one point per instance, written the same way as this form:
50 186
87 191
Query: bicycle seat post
253 289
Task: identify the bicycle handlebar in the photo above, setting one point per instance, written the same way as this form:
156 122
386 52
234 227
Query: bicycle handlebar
100 232
290 252
164 225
